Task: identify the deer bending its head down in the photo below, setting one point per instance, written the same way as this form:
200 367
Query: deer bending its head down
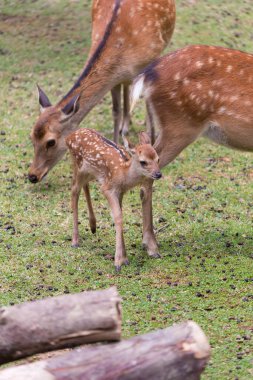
126 36
116 171
196 91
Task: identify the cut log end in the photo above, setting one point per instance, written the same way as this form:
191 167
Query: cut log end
197 343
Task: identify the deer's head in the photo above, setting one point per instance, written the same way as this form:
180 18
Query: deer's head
48 135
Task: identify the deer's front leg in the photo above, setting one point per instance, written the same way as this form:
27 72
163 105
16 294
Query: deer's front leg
149 241
150 124
116 111
126 110
114 201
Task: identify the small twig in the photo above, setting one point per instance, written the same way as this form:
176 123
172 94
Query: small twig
163 227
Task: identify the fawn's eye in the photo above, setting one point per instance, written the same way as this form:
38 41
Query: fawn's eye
50 143
143 163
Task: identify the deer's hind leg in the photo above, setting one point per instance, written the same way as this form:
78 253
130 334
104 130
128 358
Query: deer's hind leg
81 180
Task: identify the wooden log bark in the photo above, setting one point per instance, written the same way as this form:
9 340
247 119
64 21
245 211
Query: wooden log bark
59 322
176 353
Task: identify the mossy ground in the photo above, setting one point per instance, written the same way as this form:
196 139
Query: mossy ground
202 206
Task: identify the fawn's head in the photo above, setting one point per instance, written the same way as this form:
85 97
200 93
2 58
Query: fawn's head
145 158
48 135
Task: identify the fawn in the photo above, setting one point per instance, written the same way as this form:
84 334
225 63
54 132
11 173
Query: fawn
126 36
196 91
116 169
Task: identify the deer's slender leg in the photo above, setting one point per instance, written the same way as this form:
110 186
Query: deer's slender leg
168 146
92 217
116 111
126 110
148 238
150 124
115 205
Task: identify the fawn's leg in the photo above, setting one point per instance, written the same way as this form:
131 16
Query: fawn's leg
116 111
75 193
92 217
115 205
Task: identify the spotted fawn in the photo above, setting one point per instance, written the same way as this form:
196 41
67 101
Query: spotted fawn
116 169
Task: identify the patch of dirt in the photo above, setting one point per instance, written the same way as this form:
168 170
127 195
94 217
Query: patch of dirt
34 27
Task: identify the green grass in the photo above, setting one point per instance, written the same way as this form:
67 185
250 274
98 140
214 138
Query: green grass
202 207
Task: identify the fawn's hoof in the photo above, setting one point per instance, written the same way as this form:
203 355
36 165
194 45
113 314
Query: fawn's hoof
118 267
75 245
93 230
155 255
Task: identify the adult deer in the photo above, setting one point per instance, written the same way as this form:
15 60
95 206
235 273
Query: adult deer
116 169
126 36
196 91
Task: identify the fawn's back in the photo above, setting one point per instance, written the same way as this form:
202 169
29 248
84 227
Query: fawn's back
95 154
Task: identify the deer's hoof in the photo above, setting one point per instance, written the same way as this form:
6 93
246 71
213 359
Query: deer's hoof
93 230
75 245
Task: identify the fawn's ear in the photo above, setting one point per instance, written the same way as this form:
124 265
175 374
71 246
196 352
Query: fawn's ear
144 138
128 146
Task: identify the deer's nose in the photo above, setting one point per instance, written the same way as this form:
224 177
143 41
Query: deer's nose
157 175
33 178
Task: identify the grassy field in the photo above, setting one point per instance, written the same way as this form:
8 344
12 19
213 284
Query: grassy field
202 207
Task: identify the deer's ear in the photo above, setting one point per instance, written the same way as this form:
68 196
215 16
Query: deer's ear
144 138
43 99
70 108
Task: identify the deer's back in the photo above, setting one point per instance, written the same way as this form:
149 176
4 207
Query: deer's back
140 31
205 86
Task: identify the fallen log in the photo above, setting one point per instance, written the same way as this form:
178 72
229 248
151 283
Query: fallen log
176 353
59 322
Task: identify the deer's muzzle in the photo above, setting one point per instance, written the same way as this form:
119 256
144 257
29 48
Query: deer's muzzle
33 178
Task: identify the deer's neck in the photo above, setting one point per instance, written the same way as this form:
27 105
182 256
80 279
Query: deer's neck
92 88
100 74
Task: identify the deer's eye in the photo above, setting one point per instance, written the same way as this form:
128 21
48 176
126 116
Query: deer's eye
50 143
143 163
